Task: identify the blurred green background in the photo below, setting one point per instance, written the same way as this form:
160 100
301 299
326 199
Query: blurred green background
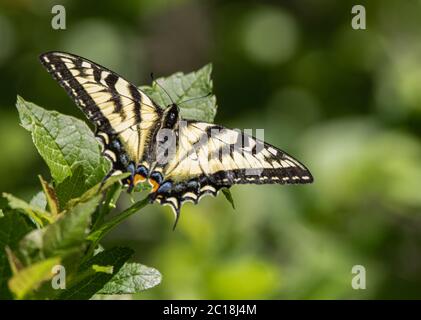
346 102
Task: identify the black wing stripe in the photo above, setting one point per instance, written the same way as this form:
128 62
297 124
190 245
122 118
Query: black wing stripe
96 73
111 81
137 102
64 77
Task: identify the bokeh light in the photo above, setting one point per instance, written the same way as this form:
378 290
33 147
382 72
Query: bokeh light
7 38
270 35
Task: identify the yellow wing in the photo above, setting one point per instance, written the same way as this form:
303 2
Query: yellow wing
125 117
228 156
209 157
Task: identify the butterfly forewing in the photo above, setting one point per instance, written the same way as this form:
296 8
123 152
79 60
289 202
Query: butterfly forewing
124 115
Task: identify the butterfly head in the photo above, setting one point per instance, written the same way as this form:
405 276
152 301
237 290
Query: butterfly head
171 116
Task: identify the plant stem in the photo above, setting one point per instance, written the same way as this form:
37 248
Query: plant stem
106 206
96 235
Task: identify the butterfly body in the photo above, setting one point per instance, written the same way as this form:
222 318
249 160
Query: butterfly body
183 160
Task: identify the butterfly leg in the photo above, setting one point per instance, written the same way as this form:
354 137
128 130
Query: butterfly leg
131 168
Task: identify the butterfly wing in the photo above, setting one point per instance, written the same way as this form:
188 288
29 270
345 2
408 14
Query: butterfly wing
209 157
125 117
206 158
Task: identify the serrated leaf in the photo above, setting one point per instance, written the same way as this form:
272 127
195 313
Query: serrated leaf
13 227
88 281
132 278
64 142
40 217
182 87
65 236
29 279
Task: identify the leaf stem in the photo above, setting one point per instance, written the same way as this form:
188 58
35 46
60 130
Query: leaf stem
96 235
107 205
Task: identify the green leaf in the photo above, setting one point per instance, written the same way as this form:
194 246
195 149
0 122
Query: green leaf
13 227
70 188
29 279
97 189
132 278
71 229
51 197
98 234
39 201
14 262
88 281
111 197
64 143
64 237
110 202
3 203
182 87
40 217
105 269
228 196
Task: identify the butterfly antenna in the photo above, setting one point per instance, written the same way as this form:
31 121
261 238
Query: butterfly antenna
163 89
195 98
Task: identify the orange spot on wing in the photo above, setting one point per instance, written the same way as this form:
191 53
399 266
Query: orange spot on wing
138 178
154 184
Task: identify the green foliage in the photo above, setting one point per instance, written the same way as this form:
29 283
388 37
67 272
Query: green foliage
183 87
132 278
12 228
31 277
39 216
65 143
64 223
91 276
63 237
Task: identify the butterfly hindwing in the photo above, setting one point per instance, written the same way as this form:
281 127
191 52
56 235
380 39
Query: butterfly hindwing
125 117
209 157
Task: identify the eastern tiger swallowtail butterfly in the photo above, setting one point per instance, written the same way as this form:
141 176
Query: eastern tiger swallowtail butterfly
206 157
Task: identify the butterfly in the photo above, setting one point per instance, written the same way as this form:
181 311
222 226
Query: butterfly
183 160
